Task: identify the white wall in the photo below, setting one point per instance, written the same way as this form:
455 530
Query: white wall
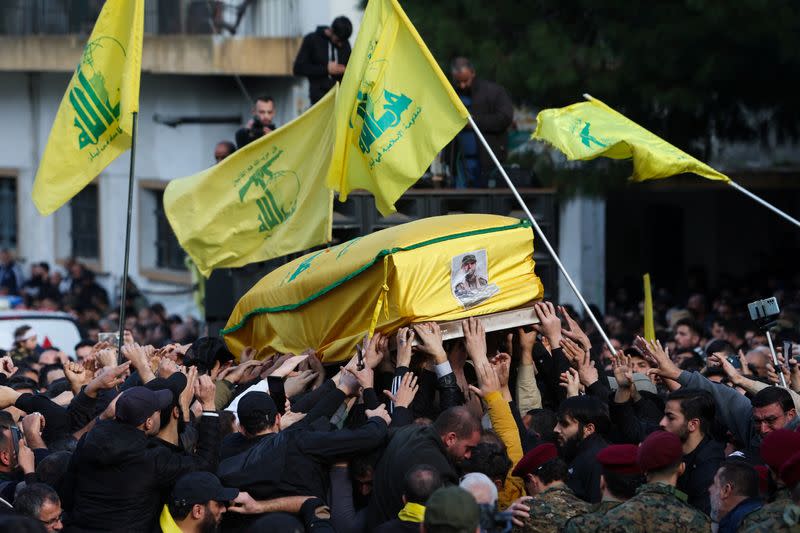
581 247
28 104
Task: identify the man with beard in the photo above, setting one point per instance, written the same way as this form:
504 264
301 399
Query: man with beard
689 414
472 282
582 421
734 495
492 111
443 445
196 505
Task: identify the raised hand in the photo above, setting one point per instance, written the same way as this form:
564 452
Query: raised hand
185 399
487 379
475 340
77 376
7 366
574 333
623 373
430 337
405 339
379 412
297 384
374 349
549 324
653 351
365 376
572 351
502 364
205 389
289 366
406 392
107 378
571 381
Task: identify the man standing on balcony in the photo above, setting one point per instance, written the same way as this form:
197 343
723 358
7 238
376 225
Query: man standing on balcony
323 57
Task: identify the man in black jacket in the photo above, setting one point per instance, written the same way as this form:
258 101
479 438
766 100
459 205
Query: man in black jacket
323 56
114 480
689 414
492 111
582 420
443 446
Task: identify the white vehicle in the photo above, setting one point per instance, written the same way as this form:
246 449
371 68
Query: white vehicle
53 329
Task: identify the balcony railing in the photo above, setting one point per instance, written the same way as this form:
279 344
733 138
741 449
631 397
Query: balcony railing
257 18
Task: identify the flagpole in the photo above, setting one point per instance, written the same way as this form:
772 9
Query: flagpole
764 203
127 236
541 235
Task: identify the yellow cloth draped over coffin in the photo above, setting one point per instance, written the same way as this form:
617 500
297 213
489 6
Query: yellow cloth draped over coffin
439 268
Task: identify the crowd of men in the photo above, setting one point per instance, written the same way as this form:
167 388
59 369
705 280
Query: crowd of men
540 428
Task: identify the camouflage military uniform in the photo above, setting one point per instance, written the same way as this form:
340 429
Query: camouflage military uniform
551 508
780 515
656 508
588 522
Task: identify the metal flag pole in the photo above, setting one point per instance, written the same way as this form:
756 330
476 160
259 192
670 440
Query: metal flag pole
127 238
764 203
541 235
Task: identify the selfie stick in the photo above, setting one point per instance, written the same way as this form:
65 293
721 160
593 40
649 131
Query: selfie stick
775 357
541 235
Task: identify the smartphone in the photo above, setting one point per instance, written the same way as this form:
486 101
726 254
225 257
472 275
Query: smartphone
16 434
787 350
360 360
764 309
110 337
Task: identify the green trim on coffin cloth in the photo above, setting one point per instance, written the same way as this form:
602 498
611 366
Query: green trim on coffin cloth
378 257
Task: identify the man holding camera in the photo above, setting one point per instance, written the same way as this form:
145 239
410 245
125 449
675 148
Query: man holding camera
261 123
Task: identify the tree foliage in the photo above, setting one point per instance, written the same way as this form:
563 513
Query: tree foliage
688 69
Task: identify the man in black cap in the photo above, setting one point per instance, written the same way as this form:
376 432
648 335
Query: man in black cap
197 504
114 479
173 417
257 413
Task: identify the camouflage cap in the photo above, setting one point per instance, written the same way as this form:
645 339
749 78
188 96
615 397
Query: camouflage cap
467 259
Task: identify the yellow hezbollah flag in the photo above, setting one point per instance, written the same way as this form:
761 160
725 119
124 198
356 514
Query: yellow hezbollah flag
649 324
395 110
439 268
592 129
266 200
94 121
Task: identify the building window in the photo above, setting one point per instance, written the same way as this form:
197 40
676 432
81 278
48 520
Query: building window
169 253
84 215
8 212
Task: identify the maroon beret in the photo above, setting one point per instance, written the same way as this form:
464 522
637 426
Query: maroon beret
619 458
659 450
778 446
790 471
535 458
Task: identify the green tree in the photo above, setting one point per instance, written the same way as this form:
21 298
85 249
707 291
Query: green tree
687 69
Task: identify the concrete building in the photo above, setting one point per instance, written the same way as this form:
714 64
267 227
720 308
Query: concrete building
189 61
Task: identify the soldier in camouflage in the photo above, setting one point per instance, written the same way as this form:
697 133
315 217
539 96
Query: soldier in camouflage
620 477
657 507
553 503
783 514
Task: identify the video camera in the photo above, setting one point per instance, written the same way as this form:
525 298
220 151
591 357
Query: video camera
258 128
494 521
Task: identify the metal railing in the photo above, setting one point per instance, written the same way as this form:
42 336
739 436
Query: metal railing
264 18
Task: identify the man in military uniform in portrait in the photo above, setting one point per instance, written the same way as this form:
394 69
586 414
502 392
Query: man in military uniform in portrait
619 480
472 282
553 503
658 506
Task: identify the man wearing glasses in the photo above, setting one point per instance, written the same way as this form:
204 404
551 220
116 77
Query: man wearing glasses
40 502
